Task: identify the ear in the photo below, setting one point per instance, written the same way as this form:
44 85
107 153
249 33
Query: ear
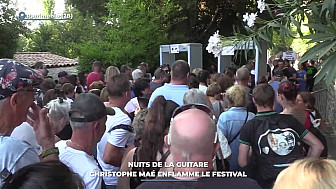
15 101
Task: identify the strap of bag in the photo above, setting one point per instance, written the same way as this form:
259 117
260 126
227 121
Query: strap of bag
234 138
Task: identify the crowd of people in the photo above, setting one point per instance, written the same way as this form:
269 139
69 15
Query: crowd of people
79 131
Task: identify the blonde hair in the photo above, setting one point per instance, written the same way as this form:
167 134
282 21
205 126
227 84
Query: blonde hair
308 174
110 72
236 96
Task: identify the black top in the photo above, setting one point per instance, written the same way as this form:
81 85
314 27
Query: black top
212 183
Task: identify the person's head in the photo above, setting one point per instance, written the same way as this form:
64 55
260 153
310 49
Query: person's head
286 93
263 96
180 72
157 125
286 63
159 75
97 66
62 77
142 88
193 81
204 76
278 74
302 66
194 96
137 74
16 94
281 64
192 135
45 175
52 94
305 100
126 70
82 78
308 173
96 85
68 90
242 75
312 62
262 79
225 82
88 115
119 88
58 114
196 71
38 65
47 84
166 68
236 96
110 72
73 79
214 90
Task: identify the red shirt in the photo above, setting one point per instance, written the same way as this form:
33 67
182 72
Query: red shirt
92 77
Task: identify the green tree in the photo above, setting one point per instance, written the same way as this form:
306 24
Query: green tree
10 29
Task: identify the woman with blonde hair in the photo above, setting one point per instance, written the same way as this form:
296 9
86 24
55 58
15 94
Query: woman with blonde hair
308 174
231 121
110 72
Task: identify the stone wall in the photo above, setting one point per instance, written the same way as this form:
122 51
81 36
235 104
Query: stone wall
326 101
70 70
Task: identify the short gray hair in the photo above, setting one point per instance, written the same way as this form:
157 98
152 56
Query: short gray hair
194 96
78 125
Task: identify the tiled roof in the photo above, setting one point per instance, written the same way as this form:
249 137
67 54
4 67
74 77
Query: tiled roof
50 60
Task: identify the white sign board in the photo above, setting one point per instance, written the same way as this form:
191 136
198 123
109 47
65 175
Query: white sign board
229 50
174 49
289 55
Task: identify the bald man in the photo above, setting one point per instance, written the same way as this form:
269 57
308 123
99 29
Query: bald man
193 144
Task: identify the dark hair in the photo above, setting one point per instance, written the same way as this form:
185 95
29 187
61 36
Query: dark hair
38 65
139 86
124 68
72 79
180 70
82 78
52 94
288 89
203 76
157 125
118 85
263 95
45 175
308 99
97 64
262 79
225 82
47 84
193 81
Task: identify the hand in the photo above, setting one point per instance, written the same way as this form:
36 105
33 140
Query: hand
38 119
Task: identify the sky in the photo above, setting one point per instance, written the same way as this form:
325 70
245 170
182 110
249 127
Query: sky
36 7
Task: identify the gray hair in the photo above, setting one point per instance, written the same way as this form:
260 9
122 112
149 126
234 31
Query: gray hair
58 108
194 96
78 125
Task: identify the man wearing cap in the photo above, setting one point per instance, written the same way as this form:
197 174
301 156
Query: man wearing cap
87 120
62 77
16 97
119 132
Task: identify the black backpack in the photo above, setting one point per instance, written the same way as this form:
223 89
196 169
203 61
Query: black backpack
278 146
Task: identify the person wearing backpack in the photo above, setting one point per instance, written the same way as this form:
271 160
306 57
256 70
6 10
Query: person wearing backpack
275 139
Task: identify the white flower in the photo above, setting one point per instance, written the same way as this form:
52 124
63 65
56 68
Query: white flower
250 18
214 45
261 5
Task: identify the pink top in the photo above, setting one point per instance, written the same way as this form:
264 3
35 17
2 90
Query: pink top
92 77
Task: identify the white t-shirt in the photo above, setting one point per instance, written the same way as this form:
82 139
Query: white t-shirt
69 101
81 163
132 105
26 133
118 137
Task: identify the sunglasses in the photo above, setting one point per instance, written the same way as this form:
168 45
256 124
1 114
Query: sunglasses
183 108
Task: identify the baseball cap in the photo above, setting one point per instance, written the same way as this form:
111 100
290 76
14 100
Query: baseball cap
14 75
89 107
62 74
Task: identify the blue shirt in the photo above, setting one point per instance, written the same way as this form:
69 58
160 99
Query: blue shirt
230 123
170 92
15 154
